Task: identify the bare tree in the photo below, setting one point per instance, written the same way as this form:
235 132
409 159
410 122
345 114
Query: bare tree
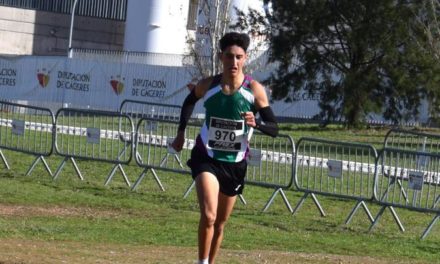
213 22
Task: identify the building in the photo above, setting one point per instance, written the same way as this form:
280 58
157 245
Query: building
43 27
149 31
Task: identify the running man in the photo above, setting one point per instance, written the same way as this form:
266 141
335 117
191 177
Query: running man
218 159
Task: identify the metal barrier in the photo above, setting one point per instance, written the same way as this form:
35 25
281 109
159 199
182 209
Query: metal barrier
93 135
412 140
410 159
140 109
338 169
153 151
270 165
137 110
26 129
270 159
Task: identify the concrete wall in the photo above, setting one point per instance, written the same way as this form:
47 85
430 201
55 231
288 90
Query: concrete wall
30 32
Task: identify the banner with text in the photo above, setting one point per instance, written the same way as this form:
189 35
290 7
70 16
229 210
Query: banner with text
90 84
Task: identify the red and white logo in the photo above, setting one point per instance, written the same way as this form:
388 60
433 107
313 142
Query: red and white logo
43 77
117 84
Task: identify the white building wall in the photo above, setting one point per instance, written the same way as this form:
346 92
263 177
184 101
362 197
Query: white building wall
157 26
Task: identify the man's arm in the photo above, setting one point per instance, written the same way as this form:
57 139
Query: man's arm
187 108
188 104
268 125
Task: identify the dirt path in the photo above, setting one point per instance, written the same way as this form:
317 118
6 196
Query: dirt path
24 251
35 251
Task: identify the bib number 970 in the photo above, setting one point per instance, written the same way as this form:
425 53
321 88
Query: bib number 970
225 134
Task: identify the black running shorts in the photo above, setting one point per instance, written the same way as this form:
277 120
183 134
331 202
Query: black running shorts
229 175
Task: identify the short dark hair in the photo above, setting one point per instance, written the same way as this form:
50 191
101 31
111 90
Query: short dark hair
234 38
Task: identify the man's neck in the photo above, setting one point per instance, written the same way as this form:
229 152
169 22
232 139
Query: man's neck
232 83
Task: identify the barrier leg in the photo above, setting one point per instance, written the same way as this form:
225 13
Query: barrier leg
46 166
34 164
116 166
60 167
164 160
112 173
127 181
354 210
4 160
178 160
138 181
189 189
286 201
318 205
78 172
428 229
436 201
243 201
157 180
283 195
138 156
399 182
300 203
396 218
405 195
376 219
392 180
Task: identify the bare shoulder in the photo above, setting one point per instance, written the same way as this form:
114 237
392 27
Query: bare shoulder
202 86
259 94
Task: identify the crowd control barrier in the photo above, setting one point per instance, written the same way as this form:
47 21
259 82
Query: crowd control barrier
153 150
140 109
338 169
26 129
270 160
408 175
271 165
137 110
412 140
93 135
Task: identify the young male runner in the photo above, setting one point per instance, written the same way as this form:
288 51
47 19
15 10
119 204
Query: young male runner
218 159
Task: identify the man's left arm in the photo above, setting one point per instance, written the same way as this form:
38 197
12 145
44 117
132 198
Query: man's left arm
268 124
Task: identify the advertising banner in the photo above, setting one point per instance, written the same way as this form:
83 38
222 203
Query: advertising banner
90 84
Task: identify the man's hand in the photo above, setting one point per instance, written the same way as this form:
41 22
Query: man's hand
249 119
178 142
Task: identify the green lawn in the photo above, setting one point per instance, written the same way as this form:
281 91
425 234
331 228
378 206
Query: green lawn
149 216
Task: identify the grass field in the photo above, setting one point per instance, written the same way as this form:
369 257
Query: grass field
74 221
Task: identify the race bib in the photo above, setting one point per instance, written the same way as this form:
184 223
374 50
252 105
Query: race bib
225 134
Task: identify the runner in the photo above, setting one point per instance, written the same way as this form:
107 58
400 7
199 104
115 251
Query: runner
218 159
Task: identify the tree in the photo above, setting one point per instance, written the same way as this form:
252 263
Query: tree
360 56
213 21
428 20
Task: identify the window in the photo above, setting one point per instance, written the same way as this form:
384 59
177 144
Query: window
108 9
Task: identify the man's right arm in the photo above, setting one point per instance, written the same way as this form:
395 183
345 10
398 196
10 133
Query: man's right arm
187 110
190 101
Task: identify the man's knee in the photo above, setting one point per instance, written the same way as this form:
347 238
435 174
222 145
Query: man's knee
219 225
209 218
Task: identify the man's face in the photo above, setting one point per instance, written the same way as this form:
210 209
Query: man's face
233 59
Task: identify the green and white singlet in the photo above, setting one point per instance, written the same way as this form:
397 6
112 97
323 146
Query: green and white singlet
224 134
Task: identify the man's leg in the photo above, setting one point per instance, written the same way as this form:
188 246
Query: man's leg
224 210
207 193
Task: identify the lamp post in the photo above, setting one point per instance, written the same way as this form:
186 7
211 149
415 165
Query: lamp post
69 51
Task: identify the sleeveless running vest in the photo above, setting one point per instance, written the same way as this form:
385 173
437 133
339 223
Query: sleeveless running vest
224 133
